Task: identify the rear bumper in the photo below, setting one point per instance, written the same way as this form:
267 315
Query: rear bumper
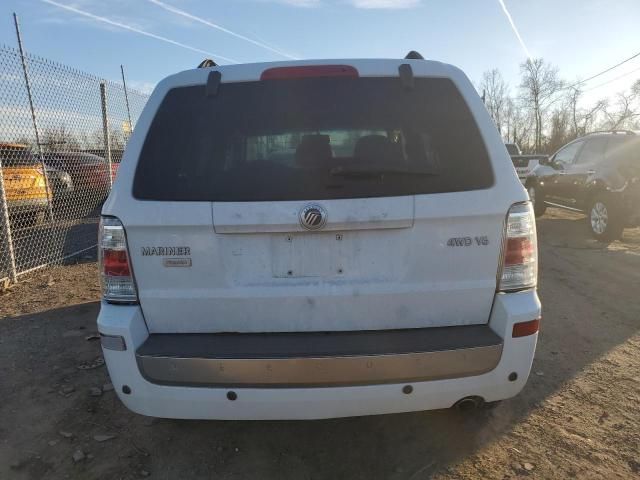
358 384
319 359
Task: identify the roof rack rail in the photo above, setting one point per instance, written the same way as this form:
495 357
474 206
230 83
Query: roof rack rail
207 63
621 132
413 55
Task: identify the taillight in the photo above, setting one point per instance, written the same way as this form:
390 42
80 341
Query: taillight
309 71
520 263
118 285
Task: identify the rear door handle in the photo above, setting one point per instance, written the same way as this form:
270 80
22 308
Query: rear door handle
591 172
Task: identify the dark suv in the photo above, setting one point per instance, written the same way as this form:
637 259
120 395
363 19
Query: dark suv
599 175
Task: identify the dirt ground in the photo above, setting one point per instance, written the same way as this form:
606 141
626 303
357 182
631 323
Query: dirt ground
578 416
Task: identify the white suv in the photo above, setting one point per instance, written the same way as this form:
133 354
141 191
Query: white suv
317 239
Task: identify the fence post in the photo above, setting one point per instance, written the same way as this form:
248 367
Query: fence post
105 130
5 230
126 100
33 119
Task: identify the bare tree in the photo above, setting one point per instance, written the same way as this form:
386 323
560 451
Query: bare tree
559 132
626 109
518 124
510 112
496 95
59 139
546 114
574 97
582 119
117 140
540 84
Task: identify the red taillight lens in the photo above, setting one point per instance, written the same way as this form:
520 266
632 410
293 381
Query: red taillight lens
518 251
282 73
524 329
118 285
115 263
520 262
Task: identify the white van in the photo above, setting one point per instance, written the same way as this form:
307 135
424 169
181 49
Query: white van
316 239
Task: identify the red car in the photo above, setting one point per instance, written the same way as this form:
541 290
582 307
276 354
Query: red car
89 173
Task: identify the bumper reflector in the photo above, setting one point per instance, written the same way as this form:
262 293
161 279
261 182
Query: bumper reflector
113 342
524 329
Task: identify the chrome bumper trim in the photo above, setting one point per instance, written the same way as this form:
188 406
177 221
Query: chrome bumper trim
320 371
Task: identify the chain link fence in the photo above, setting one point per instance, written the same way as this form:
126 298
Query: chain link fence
62 135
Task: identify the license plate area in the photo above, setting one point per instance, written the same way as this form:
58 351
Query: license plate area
309 255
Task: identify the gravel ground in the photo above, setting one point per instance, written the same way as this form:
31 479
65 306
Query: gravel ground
577 417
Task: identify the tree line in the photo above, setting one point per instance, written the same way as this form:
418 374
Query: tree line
63 139
545 111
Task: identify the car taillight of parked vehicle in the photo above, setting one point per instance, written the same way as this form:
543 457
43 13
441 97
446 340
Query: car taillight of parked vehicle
520 262
118 284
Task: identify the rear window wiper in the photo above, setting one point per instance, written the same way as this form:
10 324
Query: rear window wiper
368 171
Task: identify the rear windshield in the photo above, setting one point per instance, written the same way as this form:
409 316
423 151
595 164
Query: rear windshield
314 138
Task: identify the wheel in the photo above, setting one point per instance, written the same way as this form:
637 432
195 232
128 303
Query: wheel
537 200
605 219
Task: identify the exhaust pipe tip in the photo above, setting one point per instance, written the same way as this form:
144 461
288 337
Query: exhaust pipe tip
469 404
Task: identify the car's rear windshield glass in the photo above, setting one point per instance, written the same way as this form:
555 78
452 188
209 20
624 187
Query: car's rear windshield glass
315 138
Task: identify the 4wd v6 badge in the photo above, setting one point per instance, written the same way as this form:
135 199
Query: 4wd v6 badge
481 241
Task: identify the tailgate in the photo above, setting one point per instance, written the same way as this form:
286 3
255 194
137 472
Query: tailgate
377 264
405 208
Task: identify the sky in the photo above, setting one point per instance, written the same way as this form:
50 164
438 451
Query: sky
155 38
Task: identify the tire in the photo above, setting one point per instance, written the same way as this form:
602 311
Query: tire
605 219
537 199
